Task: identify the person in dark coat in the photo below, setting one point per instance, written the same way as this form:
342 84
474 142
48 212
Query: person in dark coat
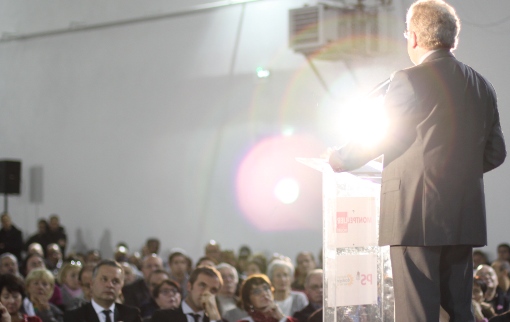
107 281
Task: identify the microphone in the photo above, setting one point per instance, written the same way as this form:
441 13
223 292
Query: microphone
380 89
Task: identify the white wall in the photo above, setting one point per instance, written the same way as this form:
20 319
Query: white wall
141 129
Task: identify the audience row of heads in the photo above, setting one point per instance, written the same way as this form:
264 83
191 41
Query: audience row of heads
503 253
487 278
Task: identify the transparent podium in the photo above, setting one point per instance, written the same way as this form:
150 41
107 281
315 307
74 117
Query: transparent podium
358 283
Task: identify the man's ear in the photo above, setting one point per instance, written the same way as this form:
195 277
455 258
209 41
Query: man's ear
414 39
189 287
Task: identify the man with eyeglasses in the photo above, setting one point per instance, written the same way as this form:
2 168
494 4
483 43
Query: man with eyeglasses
313 290
200 302
227 296
444 134
155 278
106 285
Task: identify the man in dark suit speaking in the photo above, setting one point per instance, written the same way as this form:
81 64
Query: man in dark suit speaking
444 134
107 281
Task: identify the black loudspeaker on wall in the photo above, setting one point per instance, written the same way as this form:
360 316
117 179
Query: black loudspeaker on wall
10 177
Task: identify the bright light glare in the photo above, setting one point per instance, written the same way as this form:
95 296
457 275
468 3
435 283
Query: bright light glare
288 131
287 190
262 73
365 121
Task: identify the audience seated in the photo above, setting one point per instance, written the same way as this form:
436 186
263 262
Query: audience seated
92 257
504 252
155 278
213 250
204 283
160 289
501 301
40 284
242 259
151 247
481 309
479 258
84 278
54 258
167 295
9 264
131 273
68 279
257 298
106 285
11 239
313 290
137 294
280 273
136 260
489 277
227 297
33 261
256 265
12 292
56 233
40 237
229 257
178 264
206 261
35 248
305 264
505 317
121 253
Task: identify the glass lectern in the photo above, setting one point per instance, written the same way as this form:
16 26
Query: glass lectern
358 283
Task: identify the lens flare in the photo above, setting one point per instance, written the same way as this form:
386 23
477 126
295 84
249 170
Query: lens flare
287 190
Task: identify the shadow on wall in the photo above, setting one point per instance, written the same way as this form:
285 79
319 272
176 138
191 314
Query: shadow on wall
105 244
79 246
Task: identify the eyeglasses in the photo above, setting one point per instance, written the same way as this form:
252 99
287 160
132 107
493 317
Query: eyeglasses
168 291
260 290
315 287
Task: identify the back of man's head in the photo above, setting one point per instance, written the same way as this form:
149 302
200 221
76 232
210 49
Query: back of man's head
435 23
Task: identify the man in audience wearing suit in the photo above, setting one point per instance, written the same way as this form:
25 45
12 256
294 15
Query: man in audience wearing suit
107 281
200 303
138 293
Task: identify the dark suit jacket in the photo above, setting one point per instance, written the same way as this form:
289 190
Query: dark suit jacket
86 313
174 315
444 133
305 313
136 294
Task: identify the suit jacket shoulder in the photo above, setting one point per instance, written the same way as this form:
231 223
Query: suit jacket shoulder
86 313
127 313
174 315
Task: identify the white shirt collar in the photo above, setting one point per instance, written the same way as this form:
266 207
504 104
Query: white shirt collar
186 309
99 310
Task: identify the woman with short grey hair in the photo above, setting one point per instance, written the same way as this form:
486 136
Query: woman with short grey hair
281 274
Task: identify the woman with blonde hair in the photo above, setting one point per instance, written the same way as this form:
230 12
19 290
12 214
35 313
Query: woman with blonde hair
39 286
12 292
